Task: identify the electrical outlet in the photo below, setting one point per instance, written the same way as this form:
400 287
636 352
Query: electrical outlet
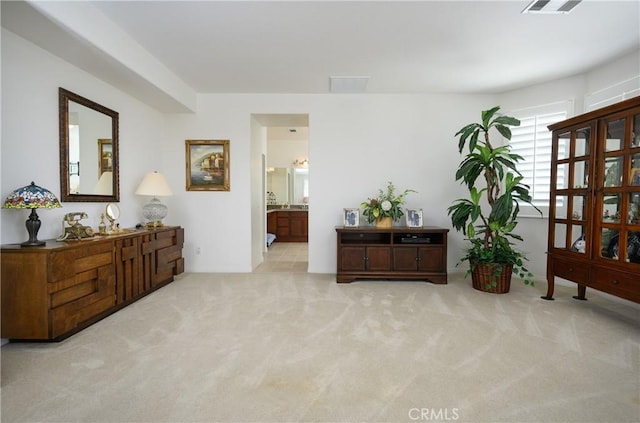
197 250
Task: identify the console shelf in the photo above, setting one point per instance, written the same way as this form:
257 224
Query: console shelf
396 253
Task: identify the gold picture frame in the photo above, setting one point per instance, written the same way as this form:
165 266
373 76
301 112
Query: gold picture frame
105 155
207 165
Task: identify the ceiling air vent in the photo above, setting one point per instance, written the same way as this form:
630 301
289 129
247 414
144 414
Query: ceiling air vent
348 84
551 6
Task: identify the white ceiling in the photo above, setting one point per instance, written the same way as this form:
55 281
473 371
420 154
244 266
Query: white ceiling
419 46
404 47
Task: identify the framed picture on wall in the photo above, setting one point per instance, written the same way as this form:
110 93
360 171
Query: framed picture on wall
351 218
207 165
105 155
414 218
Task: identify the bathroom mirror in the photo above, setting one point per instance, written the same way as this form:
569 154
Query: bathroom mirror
288 185
89 168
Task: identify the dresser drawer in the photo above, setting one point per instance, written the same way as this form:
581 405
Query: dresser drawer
89 255
622 284
571 270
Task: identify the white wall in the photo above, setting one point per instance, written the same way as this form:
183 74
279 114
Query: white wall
282 153
30 81
356 144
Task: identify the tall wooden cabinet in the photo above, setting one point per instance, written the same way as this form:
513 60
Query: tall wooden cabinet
53 291
594 216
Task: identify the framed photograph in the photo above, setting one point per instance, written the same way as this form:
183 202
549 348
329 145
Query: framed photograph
207 165
414 218
351 218
634 176
105 155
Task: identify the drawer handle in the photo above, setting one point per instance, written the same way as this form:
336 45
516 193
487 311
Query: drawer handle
615 282
571 269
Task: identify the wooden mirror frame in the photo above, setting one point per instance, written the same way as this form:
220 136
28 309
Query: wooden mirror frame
64 97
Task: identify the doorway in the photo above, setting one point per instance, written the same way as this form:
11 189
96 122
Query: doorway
286 192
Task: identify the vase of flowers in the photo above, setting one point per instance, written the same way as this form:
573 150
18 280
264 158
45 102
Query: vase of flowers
386 207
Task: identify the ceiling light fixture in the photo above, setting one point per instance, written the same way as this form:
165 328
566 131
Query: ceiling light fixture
551 6
348 84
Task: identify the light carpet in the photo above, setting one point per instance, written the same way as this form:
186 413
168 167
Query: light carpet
297 347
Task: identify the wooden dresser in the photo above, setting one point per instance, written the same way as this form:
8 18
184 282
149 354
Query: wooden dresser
395 253
53 291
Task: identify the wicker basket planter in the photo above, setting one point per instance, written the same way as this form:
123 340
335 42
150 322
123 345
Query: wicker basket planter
491 277
384 222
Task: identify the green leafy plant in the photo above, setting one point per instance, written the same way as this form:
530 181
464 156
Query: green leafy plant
386 204
488 217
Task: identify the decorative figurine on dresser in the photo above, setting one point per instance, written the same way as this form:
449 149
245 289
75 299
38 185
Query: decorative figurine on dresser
594 220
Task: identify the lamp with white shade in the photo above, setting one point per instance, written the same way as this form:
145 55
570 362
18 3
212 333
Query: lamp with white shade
154 185
105 184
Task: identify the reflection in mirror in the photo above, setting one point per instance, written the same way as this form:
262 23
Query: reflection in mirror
88 150
288 185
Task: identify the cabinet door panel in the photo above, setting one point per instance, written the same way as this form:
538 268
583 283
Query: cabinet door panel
352 259
298 224
128 269
378 258
405 259
431 259
272 222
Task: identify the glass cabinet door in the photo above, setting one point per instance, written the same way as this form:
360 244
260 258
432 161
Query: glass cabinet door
618 191
570 207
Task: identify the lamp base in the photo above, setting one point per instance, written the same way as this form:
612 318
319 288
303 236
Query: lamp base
154 211
35 243
33 225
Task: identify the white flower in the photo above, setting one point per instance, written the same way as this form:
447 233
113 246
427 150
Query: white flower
386 205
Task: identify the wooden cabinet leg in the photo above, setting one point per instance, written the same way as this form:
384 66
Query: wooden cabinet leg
550 287
582 290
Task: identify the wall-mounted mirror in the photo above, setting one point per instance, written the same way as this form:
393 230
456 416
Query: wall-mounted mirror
89 168
288 185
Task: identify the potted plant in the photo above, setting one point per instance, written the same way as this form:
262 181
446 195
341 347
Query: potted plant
385 208
488 218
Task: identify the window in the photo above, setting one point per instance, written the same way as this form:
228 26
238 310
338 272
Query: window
532 141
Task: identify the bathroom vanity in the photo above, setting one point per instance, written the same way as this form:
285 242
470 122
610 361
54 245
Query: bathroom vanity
288 224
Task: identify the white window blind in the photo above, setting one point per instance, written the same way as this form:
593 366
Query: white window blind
532 141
